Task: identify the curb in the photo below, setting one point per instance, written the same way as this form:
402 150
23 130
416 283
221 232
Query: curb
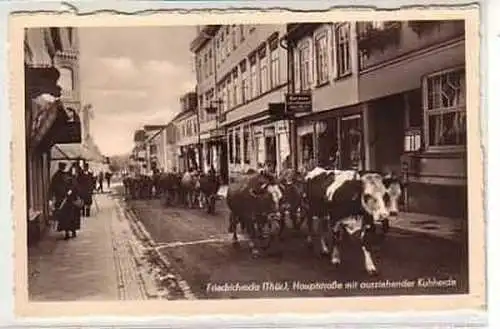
159 266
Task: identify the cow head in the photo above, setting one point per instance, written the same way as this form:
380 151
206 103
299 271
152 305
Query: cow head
394 190
269 193
375 198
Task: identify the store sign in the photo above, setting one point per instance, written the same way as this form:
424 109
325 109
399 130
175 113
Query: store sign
298 103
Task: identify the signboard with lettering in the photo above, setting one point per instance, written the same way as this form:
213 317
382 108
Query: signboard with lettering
298 103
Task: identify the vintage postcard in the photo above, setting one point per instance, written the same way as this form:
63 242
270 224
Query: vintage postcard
247 162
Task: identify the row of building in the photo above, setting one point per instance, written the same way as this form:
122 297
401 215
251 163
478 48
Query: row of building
387 96
56 123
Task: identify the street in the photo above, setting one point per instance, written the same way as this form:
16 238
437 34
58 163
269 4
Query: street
200 250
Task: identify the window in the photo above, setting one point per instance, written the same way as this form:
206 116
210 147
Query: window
246 146
321 59
233 37
242 33
342 49
210 64
264 73
201 109
230 147
205 64
198 69
275 64
244 81
304 67
237 144
254 80
235 91
444 109
229 87
66 79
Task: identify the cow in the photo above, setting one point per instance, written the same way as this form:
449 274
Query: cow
352 202
254 204
190 186
209 186
292 205
169 185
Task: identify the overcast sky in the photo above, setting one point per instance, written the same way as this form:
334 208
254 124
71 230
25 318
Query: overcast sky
132 77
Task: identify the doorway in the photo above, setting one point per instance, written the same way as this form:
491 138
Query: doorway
351 143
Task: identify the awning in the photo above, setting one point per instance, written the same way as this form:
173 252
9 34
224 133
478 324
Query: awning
45 108
61 152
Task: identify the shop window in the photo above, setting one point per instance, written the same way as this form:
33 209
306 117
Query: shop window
444 109
237 142
230 147
321 58
342 49
307 148
246 146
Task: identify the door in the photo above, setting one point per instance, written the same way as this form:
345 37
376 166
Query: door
352 151
223 162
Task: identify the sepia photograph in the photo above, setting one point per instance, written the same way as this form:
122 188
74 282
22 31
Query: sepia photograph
267 160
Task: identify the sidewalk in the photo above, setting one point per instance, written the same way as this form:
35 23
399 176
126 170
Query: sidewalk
96 265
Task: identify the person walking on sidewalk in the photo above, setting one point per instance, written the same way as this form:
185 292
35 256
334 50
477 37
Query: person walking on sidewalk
100 179
85 181
68 202
108 178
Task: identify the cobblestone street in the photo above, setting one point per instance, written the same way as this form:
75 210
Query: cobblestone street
197 247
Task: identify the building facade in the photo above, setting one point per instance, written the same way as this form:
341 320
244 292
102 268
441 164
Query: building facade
48 121
246 73
187 134
386 96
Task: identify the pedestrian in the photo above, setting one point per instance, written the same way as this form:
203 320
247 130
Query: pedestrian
86 184
108 178
68 201
100 179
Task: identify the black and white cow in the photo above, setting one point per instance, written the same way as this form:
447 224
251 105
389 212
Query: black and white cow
352 202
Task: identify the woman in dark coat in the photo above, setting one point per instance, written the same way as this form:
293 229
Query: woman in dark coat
69 211
86 187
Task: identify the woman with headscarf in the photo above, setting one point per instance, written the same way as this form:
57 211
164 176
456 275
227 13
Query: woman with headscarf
68 213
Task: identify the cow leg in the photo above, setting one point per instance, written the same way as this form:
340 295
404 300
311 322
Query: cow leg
310 229
323 231
337 236
366 247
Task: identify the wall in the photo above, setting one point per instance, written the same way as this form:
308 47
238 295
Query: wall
407 73
410 41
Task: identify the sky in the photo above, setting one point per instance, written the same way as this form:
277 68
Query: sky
133 76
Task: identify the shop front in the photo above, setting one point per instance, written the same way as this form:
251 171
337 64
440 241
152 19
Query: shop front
48 123
333 139
254 145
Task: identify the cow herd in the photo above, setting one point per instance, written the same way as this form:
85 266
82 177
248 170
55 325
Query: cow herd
332 203
190 189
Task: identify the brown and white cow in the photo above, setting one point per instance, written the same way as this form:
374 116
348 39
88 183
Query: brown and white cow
352 202
254 204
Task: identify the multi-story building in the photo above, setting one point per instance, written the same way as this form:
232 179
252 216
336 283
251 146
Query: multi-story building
187 136
387 96
236 84
151 147
48 121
